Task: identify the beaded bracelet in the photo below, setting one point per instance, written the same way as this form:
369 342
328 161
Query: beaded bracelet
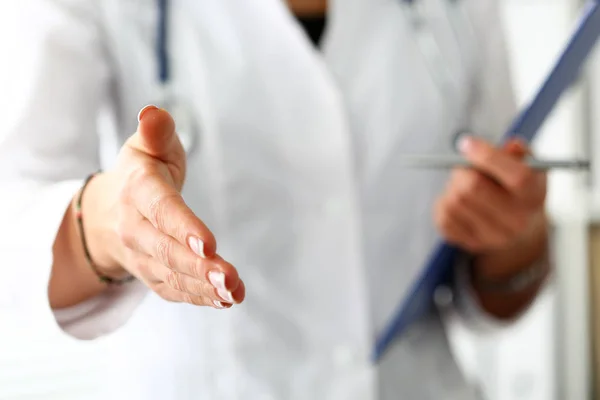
79 215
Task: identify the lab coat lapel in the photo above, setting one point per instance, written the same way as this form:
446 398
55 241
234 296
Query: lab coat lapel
376 60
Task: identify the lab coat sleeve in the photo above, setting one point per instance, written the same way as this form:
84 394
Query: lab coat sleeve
470 311
492 112
53 78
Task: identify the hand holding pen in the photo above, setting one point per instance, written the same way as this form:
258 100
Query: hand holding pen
494 204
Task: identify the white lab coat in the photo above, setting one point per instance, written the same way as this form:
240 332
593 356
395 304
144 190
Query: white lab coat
297 174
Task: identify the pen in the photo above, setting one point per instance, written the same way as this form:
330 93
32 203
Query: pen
457 161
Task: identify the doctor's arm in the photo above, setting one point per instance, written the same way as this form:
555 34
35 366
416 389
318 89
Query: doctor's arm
134 219
496 211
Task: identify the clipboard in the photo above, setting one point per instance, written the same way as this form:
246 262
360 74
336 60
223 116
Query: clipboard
439 269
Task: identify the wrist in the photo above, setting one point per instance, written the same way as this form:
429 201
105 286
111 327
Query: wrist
98 217
529 249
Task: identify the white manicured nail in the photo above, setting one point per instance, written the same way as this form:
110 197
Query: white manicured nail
143 110
218 304
197 246
217 279
225 295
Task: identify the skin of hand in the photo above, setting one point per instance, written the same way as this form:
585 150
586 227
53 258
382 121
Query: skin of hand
143 227
495 210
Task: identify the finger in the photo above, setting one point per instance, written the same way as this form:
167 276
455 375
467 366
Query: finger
517 147
491 201
193 286
176 287
506 169
156 135
239 295
489 234
163 206
454 228
150 271
170 253
168 293
464 209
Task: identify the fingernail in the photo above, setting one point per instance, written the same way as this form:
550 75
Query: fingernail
217 279
143 110
225 295
218 304
197 246
465 144
221 305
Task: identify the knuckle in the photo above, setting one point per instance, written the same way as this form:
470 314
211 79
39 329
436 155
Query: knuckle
194 300
164 251
196 287
173 279
155 207
197 268
158 209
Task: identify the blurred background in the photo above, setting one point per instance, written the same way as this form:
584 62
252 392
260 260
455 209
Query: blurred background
551 354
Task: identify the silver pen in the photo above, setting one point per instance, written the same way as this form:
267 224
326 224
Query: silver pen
458 161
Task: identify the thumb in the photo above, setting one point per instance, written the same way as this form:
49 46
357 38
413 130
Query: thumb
156 135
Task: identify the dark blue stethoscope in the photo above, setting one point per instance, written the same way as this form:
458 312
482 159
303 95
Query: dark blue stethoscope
185 119
161 42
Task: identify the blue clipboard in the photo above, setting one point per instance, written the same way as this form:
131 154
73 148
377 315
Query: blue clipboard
439 269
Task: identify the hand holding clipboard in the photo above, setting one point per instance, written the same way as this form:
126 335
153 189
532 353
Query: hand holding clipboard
439 268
